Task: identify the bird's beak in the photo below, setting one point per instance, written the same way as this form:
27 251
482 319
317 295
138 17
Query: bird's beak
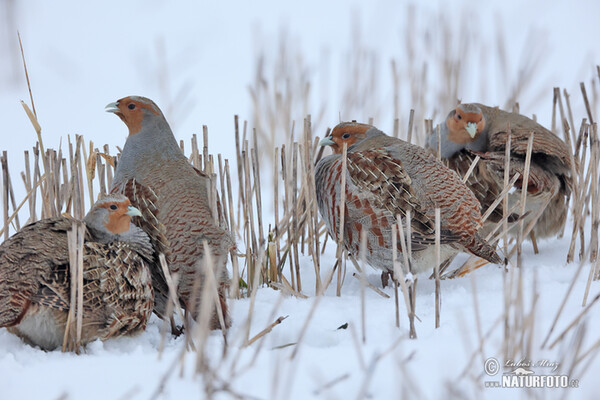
132 211
471 129
112 107
326 141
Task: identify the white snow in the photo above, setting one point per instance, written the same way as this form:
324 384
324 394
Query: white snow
82 56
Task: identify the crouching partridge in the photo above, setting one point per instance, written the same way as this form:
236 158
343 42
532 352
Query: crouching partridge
387 177
35 286
173 197
473 129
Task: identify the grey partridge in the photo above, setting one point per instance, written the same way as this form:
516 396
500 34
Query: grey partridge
387 177
475 129
173 197
35 277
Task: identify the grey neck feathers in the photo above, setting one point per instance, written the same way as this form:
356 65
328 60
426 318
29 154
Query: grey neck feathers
135 237
449 148
153 143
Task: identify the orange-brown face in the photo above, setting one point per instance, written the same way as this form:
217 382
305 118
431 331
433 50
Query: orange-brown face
465 127
132 112
346 132
118 219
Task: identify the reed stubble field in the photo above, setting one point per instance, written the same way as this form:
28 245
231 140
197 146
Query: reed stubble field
287 276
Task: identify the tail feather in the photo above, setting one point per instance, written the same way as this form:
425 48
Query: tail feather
481 248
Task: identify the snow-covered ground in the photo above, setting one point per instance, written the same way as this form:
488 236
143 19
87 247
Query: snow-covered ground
197 61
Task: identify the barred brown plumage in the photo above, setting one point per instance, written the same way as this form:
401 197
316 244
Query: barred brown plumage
386 177
476 129
173 197
35 278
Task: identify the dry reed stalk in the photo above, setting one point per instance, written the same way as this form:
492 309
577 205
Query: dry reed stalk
171 285
502 197
295 227
26 74
258 196
438 300
224 199
5 193
235 274
79 165
110 165
593 275
399 277
11 193
471 168
595 196
563 304
567 128
372 366
477 315
208 302
395 275
408 289
572 140
287 193
268 329
286 287
253 286
578 197
101 174
13 215
574 322
367 283
313 222
439 142
38 131
248 215
170 322
363 280
411 118
412 289
524 196
26 176
586 102
342 213
276 200
240 166
73 327
89 161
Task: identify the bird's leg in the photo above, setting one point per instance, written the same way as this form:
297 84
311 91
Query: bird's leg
385 278
469 267
534 242
176 330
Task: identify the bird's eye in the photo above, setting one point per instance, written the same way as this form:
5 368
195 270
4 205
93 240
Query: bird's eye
345 136
113 207
458 116
131 106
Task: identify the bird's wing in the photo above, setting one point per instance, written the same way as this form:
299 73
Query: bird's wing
548 147
146 200
376 171
27 260
117 279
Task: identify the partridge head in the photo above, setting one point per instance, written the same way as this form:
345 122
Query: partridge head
345 132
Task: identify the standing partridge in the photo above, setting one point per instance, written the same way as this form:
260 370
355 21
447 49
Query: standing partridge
173 197
35 280
387 177
473 129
